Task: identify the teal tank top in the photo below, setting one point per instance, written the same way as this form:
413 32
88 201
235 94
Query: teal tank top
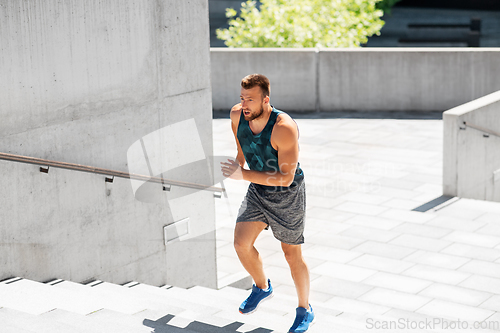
259 153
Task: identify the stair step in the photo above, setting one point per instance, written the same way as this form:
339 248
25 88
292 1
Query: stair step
125 323
232 278
231 302
64 306
8 328
119 298
92 322
176 297
25 322
36 298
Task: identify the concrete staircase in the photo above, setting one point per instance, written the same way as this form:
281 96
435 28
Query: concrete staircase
61 306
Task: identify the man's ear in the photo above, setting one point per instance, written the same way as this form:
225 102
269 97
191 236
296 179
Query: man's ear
266 99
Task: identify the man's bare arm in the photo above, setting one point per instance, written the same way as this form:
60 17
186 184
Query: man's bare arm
235 119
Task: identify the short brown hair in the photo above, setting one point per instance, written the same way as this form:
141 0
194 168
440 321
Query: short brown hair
252 80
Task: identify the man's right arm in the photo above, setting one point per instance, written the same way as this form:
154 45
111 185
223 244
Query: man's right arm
235 120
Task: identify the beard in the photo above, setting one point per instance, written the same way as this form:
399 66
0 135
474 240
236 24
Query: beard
253 116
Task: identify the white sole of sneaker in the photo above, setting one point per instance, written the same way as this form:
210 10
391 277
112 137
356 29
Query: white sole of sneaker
257 307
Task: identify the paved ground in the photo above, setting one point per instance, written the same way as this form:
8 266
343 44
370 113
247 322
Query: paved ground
368 252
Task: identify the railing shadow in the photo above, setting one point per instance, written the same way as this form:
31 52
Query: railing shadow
161 326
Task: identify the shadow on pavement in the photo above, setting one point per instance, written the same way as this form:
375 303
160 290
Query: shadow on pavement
161 326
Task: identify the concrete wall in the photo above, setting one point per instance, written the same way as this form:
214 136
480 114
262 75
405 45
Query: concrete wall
81 82
364 79
292 74
471 162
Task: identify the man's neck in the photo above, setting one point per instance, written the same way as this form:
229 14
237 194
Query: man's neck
264 117
258 124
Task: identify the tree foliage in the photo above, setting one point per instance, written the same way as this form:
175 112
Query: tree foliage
302 23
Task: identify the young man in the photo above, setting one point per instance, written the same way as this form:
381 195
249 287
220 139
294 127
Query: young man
267 139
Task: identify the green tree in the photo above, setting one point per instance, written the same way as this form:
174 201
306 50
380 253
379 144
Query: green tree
302 23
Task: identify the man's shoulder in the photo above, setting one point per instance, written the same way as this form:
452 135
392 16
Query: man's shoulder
235 113
283 120
285 127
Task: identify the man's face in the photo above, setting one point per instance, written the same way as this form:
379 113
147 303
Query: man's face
252 103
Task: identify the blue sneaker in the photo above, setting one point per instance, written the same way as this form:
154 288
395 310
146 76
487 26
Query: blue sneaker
303 319
252 302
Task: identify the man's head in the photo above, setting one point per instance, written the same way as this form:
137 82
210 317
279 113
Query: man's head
255 91
257 80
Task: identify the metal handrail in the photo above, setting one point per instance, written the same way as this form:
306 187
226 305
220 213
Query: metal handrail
482 129
106 172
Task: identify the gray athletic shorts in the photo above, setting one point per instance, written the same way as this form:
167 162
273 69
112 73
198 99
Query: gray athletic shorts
283 211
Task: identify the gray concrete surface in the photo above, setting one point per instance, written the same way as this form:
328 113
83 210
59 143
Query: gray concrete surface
471 144
295 67
80 83
364 79
369 252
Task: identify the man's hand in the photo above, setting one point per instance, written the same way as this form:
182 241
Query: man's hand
232 170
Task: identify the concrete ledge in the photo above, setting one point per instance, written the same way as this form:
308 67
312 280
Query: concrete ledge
292 73
471 145
364 79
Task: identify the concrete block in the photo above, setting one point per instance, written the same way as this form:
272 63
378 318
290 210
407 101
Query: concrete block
437 259
397 282
343 271
340 287
356 306
330 253
422 230
384 250
480 267
456 223
482 283
454 311
381 263
475 239
469 162
473 252
407 216
292 74
399 79
394 299
365 209
374 222
437 274
455 294
368 233
419 242
92 81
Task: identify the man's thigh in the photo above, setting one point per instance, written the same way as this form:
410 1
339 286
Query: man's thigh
246 232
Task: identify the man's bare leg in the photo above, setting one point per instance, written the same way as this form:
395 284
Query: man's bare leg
300 272
245 234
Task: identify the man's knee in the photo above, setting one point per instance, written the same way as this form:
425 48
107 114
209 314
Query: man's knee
245 234
242 242
293 253
242 245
